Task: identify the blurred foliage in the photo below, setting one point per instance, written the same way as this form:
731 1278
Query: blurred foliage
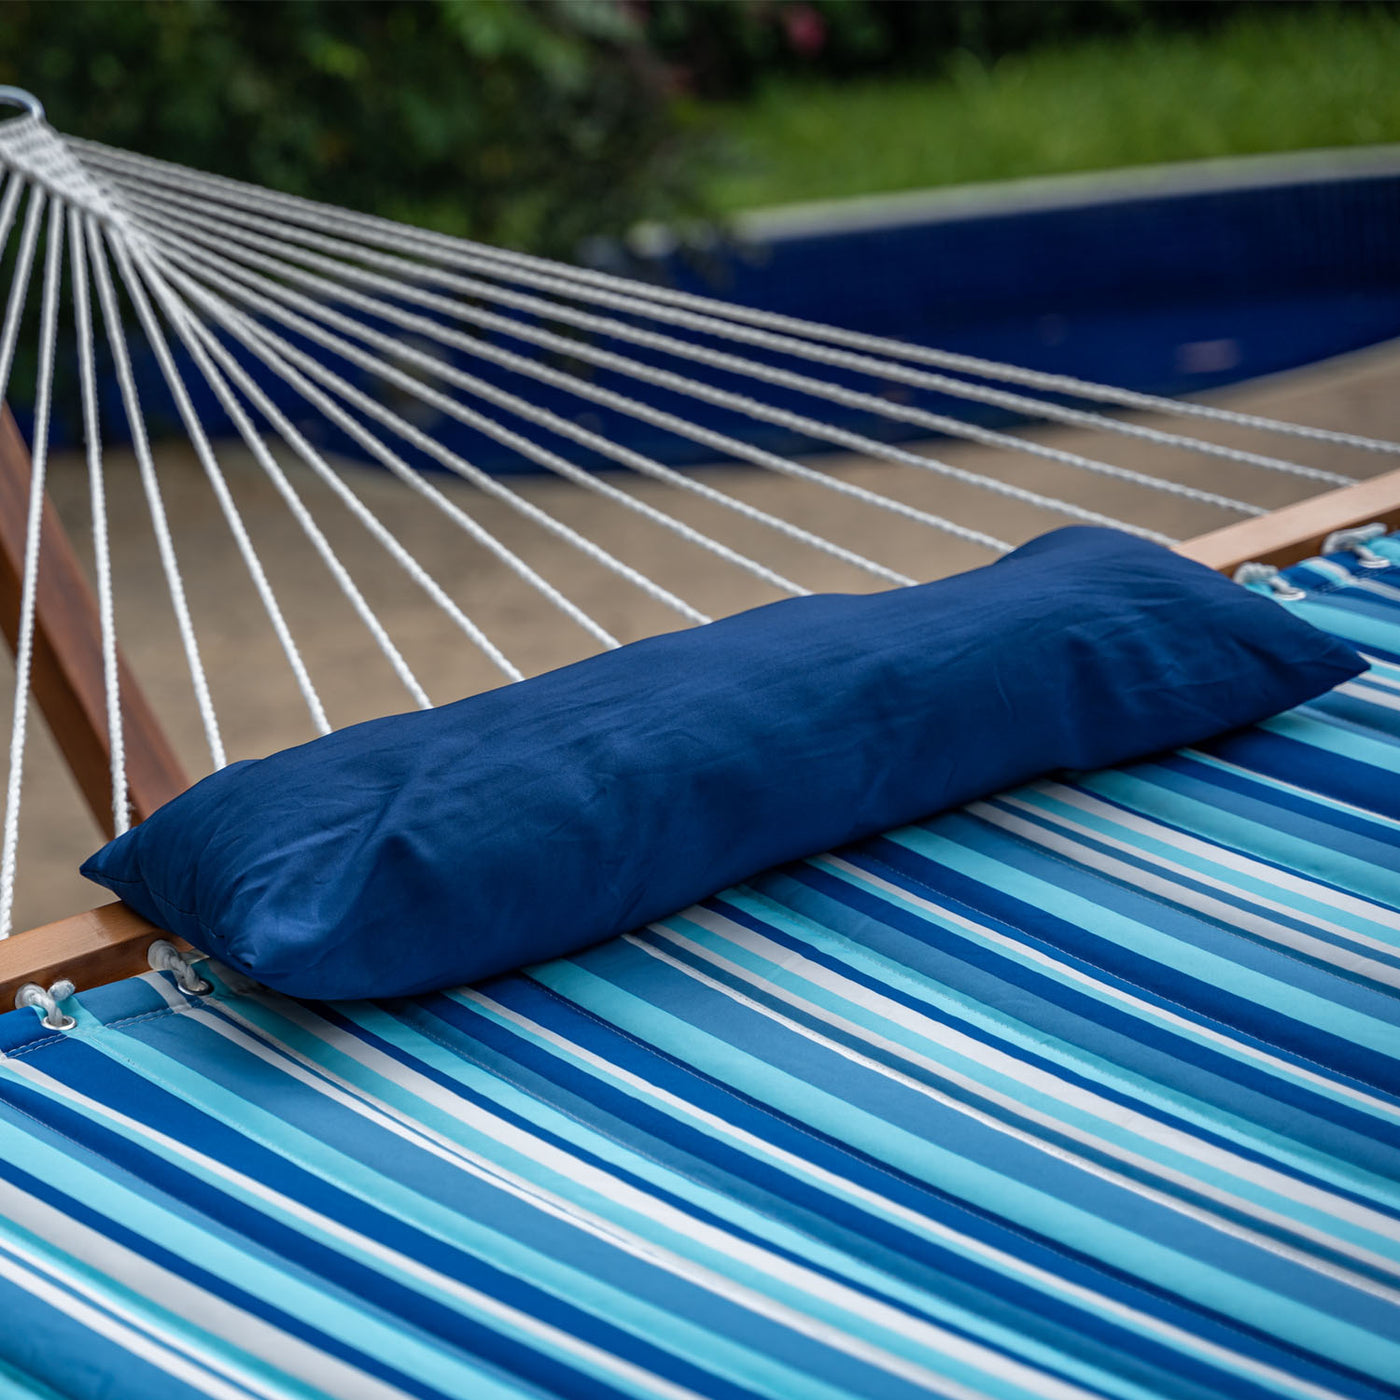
730 48
540 124
1278 79
530 123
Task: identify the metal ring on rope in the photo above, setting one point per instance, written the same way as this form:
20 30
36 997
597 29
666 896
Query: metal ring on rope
18 97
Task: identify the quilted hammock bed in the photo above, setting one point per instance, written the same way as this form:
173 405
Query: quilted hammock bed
1086 1089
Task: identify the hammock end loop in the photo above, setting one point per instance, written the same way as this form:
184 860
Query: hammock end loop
47 1002
1356 541
164 956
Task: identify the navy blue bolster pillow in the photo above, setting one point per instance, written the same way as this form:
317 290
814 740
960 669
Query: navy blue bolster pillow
429 849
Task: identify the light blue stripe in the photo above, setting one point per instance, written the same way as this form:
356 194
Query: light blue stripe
1016 1200
1335 736
1237 884
1018 1091
1343 1021
766 1224
704 1346
1307 1157
143 1315
233 1258
1173 797
1345 622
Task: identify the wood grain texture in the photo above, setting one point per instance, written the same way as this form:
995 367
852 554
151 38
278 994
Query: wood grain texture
111 942
91 949
1285 536
67 674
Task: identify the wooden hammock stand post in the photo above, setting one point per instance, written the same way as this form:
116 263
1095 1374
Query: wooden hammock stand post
111 942
107 943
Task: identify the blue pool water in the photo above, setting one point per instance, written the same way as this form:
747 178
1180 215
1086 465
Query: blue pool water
1171 282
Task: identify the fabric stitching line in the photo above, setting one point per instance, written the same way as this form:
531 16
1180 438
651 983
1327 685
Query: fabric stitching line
1190 1012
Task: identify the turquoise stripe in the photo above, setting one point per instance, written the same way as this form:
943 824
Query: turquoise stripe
1015 1200
1173 1021
1101 1125
14 1386
1235 882
449 1053
1345 622
704 1346
241 1263
1175 798
1002 1264
1305 1156
1343 1021
899 1115
1325 732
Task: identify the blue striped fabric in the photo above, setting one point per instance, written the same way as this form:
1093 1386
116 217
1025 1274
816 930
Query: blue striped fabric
1086 1089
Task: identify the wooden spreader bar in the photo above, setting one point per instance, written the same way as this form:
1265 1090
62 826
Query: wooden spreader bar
90 949
1296 532
111 942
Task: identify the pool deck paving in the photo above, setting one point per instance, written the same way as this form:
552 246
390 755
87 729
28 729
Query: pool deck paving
261 710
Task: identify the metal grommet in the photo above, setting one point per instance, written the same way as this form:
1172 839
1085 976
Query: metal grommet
32 994
1354 541
163 956
1252 573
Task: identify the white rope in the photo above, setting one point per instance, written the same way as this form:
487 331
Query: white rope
119 241
155 337
719 441
164 956
43 157
753 408
46 1002
553 462
853 441
170 564
14 187
579 477
251 335
24 644
186 328
19 286
391 543
378 366
822 389
267 347
150 485
188 249
101 545
688 350
421 440
587 283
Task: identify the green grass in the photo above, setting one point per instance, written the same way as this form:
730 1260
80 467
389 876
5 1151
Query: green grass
1285 81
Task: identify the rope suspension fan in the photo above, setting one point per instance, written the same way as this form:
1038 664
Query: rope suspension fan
293 320
982 988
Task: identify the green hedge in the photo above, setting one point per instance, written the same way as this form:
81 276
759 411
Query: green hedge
530 123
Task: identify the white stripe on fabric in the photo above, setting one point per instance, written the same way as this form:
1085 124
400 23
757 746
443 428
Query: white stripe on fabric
1145 1009
311 1221
609 1188
999 1260
1118 1178
1015 1070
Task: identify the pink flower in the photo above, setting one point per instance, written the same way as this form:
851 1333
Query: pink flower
805 29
